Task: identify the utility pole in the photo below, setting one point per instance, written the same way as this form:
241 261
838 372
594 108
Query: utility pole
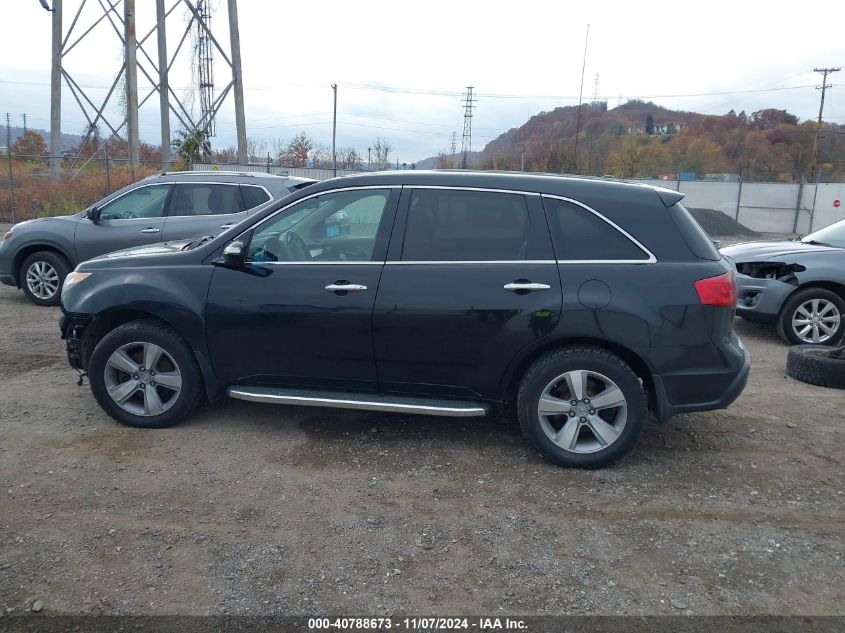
580 97
466 141
237 79
131 46
56 94
334 132
9 158
163 86
369 159
825 72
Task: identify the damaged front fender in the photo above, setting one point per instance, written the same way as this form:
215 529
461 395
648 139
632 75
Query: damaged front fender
780 271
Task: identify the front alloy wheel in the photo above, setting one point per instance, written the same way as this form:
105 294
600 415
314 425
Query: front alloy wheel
142 379
816 321
42 280
812 316
144 374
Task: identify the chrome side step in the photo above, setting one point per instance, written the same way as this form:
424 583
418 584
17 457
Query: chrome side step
364 401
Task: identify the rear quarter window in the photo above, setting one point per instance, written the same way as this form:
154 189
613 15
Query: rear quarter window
581 235
696 239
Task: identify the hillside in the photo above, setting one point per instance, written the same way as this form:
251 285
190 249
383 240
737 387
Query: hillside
68 140
642 139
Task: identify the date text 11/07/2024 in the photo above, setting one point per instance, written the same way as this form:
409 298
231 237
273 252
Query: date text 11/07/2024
423 623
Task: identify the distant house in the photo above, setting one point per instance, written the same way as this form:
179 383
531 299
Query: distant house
666 129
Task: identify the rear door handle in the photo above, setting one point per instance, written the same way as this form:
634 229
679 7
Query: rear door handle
345 287
151 229
525 286
227 226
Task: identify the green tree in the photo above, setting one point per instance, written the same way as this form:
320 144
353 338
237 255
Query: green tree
649 125
193 146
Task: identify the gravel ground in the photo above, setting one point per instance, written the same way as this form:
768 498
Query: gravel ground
261 510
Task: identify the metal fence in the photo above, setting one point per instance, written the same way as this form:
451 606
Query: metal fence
26 191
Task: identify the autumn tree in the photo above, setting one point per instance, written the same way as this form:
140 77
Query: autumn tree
30 145
296 152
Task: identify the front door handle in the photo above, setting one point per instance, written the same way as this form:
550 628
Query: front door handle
525 286
345 287
227 226
151 229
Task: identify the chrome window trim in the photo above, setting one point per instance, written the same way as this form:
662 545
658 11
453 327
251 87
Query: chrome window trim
407 262
651 258
483 189
308 197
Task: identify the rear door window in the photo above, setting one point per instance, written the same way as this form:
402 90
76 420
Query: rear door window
462 225
579 234
206 199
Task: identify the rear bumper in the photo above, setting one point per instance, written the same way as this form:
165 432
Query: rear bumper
681 393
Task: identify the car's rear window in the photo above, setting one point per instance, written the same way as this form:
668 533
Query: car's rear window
697 240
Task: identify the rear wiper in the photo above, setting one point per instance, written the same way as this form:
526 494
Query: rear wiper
199 242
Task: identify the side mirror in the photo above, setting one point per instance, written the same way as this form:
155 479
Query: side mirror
94 214
233 254
717 243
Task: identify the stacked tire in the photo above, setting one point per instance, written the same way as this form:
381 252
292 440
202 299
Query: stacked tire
817 365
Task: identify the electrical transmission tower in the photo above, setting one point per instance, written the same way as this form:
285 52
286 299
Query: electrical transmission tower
90 17
596 89
466 141
825 72
204 58
454 144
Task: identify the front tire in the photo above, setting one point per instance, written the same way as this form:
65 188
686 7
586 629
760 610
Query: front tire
581 407
812 316
143 374
41 277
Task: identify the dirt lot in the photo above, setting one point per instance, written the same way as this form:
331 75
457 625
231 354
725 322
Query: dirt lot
254 509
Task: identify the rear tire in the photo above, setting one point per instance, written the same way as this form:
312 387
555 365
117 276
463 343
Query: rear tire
41 276
608 415
155 396
795 322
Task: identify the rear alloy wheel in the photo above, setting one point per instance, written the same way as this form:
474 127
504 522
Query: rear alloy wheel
581 406
144 374
41 277
812 317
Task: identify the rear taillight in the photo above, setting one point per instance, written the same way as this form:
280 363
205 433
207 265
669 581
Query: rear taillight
718 291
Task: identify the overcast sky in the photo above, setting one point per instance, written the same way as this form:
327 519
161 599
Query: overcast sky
401 66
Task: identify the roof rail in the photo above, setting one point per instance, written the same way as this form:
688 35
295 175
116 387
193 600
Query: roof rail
218 172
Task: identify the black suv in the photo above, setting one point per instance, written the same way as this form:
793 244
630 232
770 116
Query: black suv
583 303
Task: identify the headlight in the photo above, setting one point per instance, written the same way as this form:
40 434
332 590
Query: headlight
72 279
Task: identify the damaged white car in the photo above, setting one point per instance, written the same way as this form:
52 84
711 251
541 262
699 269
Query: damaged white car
797 285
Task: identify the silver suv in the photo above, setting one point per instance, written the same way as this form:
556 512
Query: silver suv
37 254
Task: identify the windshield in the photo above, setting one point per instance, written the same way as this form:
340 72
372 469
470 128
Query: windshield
833 235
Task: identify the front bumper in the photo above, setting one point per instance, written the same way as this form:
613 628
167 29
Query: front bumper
760 299
73 333
8 280
703 391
